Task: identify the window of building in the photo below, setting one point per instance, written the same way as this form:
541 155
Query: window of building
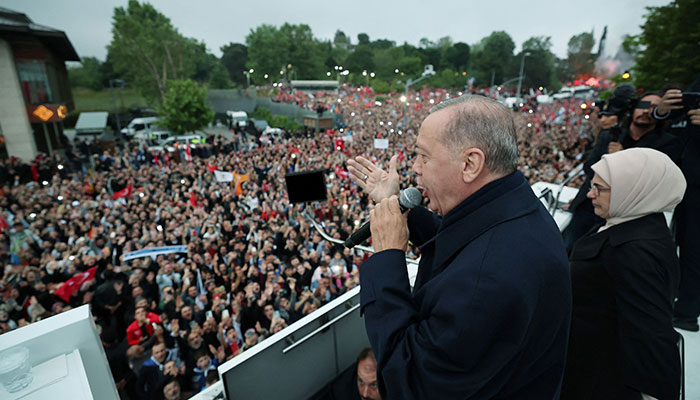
34 81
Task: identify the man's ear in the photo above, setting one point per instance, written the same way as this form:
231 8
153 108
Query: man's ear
473 164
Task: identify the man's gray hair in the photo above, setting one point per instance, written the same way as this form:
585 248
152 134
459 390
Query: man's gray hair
483 123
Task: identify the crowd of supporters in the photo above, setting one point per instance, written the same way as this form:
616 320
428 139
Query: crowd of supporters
252 263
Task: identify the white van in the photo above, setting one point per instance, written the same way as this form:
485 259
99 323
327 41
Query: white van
138 125
237 118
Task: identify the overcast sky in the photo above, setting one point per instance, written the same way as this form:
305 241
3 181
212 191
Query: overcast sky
88 23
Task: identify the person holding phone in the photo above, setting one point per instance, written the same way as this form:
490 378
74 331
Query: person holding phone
683 109
636 127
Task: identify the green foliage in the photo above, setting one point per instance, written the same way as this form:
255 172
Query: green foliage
411 66
267 52
284 122
219 77
362 38
386 61
539 63
448 78
274 120
148 51
668 48
91 100
382 44
271 50
380 86
341 40
261 113
234 57
87 75
303 52
185 107
457 56
580 54
360 59
493 54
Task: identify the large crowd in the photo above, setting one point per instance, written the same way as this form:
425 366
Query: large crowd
253 263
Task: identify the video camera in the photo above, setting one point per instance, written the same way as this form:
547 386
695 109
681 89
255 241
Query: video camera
623 101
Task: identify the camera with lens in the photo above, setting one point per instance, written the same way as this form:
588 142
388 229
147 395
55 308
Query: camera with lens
622 102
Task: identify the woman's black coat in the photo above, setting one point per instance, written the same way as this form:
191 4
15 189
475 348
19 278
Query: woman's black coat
622 341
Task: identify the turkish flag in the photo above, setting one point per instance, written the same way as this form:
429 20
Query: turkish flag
339 144
193 199
211 168
72 285
126 192
400 155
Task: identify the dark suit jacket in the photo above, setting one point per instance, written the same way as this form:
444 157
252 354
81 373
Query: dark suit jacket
622 339
490 312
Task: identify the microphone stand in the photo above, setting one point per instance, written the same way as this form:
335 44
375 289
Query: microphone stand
327 237
573 174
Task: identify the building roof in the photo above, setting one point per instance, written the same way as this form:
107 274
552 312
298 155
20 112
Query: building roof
17 22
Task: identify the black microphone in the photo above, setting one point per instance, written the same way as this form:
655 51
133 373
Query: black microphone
409 198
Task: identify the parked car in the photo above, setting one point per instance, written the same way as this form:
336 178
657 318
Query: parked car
169 143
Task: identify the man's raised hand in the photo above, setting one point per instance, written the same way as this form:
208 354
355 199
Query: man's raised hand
379 184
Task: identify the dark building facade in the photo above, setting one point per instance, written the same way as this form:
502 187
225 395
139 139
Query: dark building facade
35 94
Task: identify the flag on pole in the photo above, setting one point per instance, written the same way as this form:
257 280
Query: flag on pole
222 176
72 285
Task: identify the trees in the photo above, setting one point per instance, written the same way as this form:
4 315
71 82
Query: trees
580 54
361 59
271 50
87 75
667 50
267 51
234 57
539 64
493 56
457 56
303 51
148 50
185 108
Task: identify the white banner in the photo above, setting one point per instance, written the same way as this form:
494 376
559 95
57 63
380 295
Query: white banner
381 143
222 176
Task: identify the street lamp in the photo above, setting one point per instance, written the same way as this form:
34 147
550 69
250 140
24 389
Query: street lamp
247 76
522 66
428 71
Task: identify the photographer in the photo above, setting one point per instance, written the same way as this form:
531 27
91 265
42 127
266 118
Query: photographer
683 110
636 127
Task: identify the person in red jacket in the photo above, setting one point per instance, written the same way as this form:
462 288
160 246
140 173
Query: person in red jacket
143 330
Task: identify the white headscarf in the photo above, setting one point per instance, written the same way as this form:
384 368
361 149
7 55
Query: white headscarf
642 181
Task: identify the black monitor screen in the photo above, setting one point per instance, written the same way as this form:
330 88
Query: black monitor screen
306 186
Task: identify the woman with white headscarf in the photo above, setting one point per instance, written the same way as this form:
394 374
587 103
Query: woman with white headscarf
625 276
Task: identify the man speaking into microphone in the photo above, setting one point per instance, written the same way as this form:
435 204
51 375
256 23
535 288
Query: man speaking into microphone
490 309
